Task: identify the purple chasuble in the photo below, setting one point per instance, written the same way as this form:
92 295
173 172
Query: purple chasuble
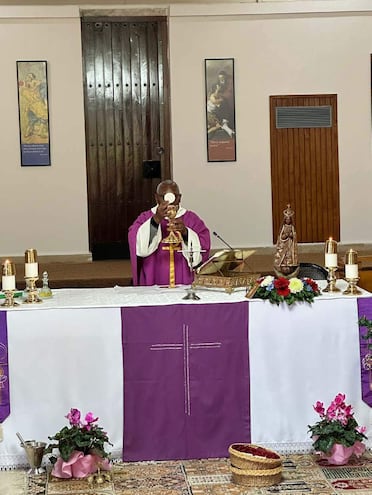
186 380
365 309
154 269
4 373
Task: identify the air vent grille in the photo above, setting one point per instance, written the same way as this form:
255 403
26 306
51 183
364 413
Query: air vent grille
300 117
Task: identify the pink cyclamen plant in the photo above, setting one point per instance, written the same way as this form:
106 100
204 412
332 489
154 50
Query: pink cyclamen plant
337 425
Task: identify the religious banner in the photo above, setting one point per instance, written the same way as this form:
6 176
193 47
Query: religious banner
33 112
220 109
365 309
4 374
186 385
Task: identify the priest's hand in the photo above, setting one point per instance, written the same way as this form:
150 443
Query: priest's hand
180 227
161 212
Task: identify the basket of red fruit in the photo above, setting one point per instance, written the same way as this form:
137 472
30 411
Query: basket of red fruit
253 465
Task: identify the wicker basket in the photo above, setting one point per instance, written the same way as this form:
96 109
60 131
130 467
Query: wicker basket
250 456
256 477
252 465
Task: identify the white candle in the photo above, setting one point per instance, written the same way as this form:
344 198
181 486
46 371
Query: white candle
330 260
351 271
8 282
351 264
330 253
31 270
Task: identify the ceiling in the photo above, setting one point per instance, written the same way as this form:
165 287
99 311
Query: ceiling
116 3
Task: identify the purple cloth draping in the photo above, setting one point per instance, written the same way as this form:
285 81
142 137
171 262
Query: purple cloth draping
365 309
186 380
4 374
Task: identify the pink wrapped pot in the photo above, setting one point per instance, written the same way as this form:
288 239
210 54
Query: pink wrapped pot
79 465
340 455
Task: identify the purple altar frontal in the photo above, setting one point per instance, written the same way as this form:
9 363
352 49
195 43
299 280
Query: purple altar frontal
4 373
186 380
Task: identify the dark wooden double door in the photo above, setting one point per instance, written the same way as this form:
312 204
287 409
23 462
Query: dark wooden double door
127 124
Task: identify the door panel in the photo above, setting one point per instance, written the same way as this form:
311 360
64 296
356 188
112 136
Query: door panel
127 124
304 165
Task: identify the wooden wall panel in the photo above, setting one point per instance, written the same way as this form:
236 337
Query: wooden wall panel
304 171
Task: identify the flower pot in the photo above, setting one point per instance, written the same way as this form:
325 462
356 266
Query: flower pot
340 455
79 465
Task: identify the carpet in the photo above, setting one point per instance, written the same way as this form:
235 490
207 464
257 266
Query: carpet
302 474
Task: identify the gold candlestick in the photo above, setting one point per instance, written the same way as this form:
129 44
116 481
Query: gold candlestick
331 264
31 290
9 299
352 288
8 283
351 273
331 279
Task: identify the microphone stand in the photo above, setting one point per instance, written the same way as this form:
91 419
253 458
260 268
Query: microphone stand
220 238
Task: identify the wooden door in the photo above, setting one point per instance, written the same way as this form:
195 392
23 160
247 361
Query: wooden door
127 124
304 165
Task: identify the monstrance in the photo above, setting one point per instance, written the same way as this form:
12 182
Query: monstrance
173 239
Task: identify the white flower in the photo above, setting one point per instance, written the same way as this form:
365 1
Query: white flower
295 285
267 281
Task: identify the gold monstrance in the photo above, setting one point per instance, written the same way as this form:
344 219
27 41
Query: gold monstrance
173 239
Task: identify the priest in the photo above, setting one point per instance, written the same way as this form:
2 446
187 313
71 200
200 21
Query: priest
150 256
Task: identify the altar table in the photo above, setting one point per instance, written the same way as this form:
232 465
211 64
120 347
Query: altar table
67 352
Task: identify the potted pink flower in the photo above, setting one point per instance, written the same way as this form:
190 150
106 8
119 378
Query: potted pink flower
81 447
337 435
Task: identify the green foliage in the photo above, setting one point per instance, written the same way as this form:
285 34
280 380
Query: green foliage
89 439
327 433
364 322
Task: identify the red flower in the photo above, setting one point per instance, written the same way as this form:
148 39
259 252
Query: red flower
314 286
281 285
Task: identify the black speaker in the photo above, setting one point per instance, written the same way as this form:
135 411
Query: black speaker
151 169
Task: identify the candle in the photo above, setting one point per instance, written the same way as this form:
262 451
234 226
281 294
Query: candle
330 253
351 264
8 276
31 265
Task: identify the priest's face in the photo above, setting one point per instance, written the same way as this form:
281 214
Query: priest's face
168 188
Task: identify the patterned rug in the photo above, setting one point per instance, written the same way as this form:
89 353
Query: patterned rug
302 474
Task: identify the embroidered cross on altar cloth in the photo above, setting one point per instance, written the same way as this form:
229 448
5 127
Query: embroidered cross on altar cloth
186 385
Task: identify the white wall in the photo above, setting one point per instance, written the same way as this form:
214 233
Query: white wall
44 207
307 50
273 55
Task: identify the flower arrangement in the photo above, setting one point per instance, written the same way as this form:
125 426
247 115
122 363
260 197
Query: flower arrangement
337 426
81 446
281 289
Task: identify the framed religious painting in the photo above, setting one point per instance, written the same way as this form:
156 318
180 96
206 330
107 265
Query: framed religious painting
33 109
220 109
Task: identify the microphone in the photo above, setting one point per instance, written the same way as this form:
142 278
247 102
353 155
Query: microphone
220 238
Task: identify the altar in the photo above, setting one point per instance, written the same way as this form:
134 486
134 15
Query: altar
151 365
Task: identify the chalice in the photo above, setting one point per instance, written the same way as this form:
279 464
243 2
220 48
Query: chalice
191 294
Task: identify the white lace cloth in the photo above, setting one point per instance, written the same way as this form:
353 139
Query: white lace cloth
66 352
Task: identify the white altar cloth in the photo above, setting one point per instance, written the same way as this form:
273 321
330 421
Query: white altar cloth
67 352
